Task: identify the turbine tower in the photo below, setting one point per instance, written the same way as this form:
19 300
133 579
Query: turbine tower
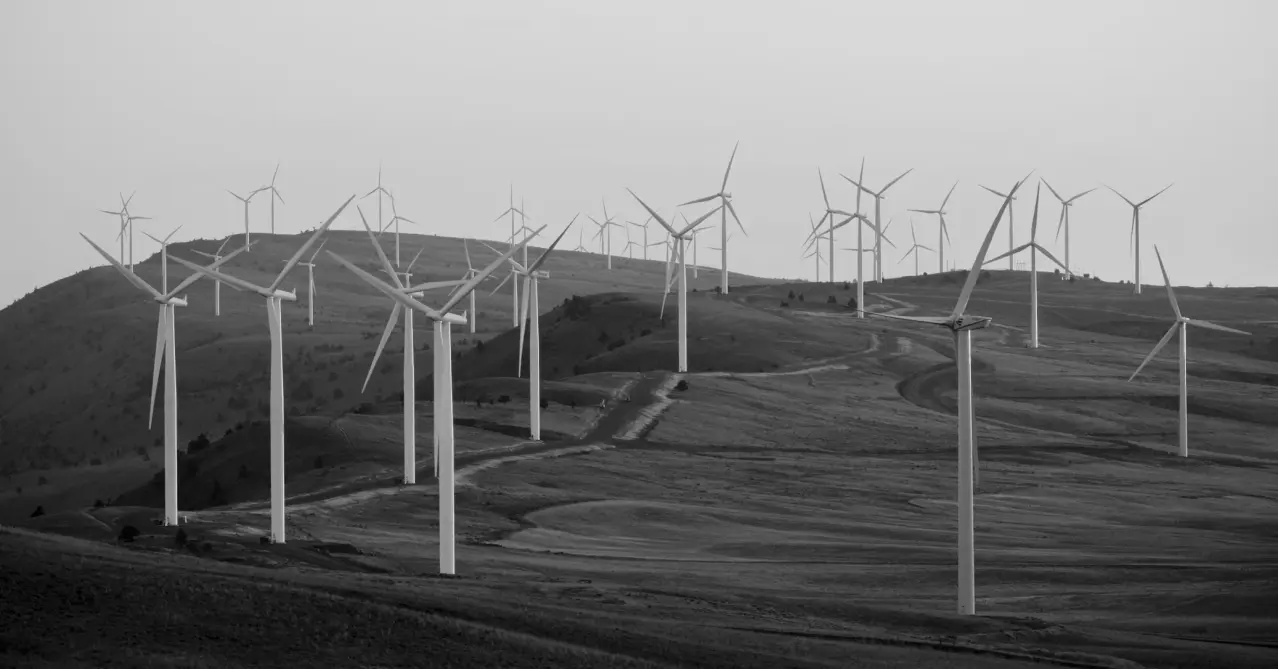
274 296
1182 324
1066 203
1033 247
532 274
443 375
878 227
380 192
1136 227
166 351
217 285
943 235
680 239
275 194
962 325
603 235
514 287
1011 226
247 241
914 249
725 201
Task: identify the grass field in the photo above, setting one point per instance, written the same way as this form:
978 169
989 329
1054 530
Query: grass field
792 506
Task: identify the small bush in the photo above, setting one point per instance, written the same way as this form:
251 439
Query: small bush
544 404
97 504
128 533
784 303
180 537
95 462
645 332
791 295
42 481
830 300
800 297
852 302
504 399
39 511
682 385
244 471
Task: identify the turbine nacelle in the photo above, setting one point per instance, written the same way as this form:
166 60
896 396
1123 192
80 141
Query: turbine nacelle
174 301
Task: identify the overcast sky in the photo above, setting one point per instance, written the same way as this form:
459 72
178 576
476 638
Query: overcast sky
573 102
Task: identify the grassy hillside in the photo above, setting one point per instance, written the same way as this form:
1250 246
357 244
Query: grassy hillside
78 353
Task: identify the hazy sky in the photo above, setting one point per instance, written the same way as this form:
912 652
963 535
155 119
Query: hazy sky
577 101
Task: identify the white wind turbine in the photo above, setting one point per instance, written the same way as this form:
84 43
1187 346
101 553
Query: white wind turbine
274 296
943 235
581 248
696 244
679 239
164 257
165 349
1034 248
628 249
394 220
443 375
816 236
1066 203
246 200
514 286
471 313
962 325
1182 324
126 226
274 195
1136 226
830 214
644 227
604 235
725 201
410 372
1011 227
217 285
878 227
532 275
914 249
380 192
310 285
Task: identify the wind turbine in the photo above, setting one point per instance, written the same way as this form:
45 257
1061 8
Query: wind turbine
274 195
581 248
443 374
679 239
532 274
217 285
943 235
830 214
725 201
395 219
514 286
962 325
815 244
410 373
1034 247
1182 323
913 249
628 249
165 345
604 236
1136 225
247 241
164 257
310 285
471 313
1066 203
1011 227
878 206
644 227
380 192
274 296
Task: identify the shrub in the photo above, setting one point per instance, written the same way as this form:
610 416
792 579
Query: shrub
197 444
791 295
504 399
42 481
603 337
852 302
784 303
95 462
645 332
985 274
39 511
479 346
800 297
830 300
717 289
319 462
128 533
180 537
847 286
682 385
338 394
97 504
244 471
544 403
332 376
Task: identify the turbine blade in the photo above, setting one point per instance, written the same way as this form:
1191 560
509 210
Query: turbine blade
132 278
947 197
317 250
218 262
465 289
1049 187
1171 295
1161 343
385 289
503 282
1014 251
1050 256
974 273
1212 326
1071 200
729 170
892 182
652 213
381 255
1060 224
224 278
386 333
1164 190
700 200
523 320
824 195
732 210
466 248
1034 220
697 222
546 254
309 242
161 328
1120 195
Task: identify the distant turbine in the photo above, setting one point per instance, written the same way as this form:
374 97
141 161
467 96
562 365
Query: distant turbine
274 296
443 375
603 235
1136 226
532 274
164 257
165 345
679 238
380 192
943 235
310 285
1182 323
247 241
581 248
514 286
914 249
878 202
1011 227
275 194
1066 203
217 285
830 214
644 227
725 200
1034 247
962 325
395 219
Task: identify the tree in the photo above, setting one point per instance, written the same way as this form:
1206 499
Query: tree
791 295
852 302
128 533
